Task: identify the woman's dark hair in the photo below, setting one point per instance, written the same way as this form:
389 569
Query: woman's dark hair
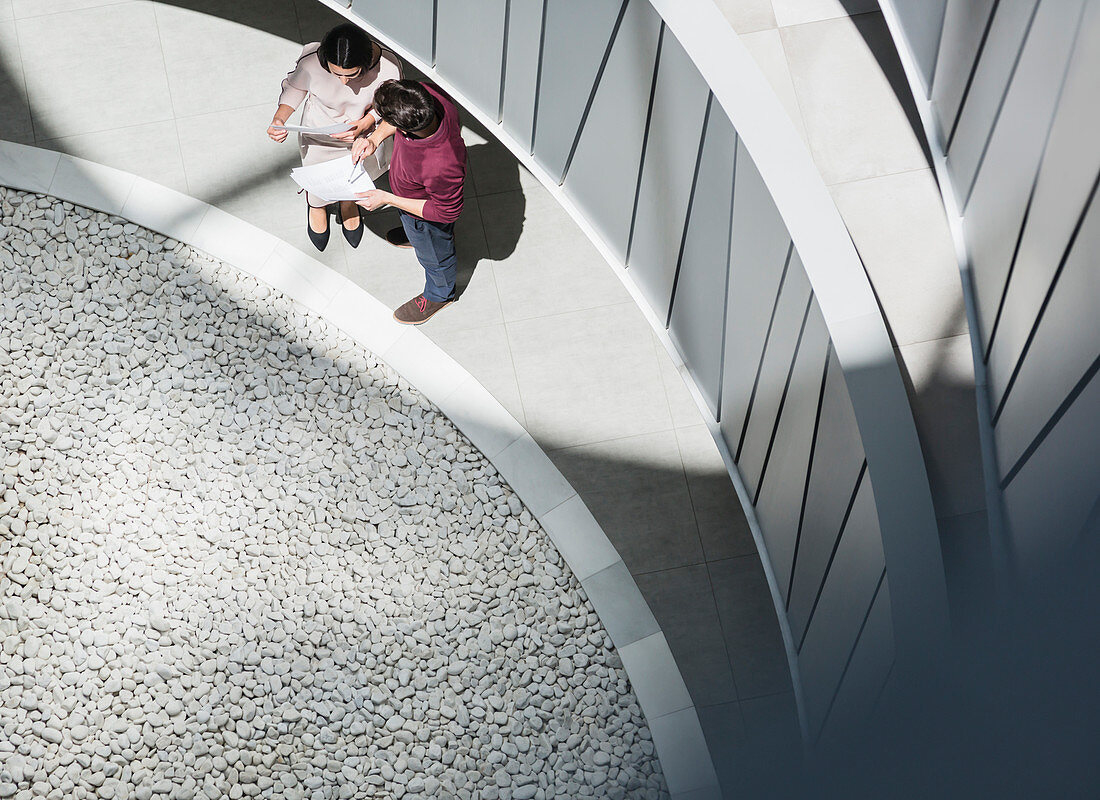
406 105
347 47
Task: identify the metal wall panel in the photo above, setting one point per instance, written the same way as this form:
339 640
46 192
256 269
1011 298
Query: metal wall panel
1004 184
757 255
964 24
837 461
409 23
1051 498
845 601
575 39
979 112
781 493
923 23
779 354
603 175
521 69
1069 169
1066 343
871 663
469 48
700 292
679 105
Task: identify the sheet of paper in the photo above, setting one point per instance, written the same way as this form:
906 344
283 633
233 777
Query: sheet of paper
325 130
333 180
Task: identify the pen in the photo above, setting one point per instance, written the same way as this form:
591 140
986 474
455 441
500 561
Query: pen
354 166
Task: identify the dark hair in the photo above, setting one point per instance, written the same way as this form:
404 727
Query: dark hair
347 47
406 105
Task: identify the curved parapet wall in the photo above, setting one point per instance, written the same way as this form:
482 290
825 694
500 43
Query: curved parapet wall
649 122
1008 96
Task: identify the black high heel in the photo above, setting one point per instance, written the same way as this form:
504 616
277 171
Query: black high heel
356 236
320 240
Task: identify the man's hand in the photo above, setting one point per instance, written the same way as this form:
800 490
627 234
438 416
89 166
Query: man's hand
362 148
374 199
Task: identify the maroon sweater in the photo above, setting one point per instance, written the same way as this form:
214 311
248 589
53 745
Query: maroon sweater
434 168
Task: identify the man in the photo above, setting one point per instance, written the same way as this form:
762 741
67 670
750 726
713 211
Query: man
426 175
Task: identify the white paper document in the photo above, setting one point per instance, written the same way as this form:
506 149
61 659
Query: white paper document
324 130
333 180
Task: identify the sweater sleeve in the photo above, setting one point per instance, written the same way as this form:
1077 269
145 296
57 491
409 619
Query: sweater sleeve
444 189
295 85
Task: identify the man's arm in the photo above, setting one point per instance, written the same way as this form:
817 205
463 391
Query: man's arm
366 145
376 198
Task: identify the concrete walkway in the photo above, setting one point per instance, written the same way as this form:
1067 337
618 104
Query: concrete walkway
181 92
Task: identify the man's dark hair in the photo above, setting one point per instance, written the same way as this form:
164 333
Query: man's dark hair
347 47
406 105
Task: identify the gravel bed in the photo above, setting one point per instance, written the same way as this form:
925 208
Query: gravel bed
240 557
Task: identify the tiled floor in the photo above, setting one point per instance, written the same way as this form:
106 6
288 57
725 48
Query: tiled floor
543 323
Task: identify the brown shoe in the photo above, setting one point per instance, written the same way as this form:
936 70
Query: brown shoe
419 309
398 238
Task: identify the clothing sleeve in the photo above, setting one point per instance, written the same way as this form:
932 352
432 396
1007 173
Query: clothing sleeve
296 84
444 189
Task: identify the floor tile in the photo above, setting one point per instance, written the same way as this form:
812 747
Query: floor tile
151 151
724 730
747 16
654 676
494 170
6 11
767 50
315 20
486 353
579 538
680 741
259 187
940 380
853 120
797 12
545 264
113 79
588 376
899 226
723 528
771 728
197 45
15 112
745 607
683 604
635 488
681 405
526 468
36 8
620 605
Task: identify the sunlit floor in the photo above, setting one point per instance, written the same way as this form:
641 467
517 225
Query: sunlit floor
240 554
542 323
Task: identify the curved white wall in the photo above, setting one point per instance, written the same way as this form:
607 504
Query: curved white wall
1009 91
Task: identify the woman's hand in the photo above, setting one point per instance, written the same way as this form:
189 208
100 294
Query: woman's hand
374 199
361 126
362 148
276 134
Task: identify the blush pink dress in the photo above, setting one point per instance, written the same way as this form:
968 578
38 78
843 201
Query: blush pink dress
329 101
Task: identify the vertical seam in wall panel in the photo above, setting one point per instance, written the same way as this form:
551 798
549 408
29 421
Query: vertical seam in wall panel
435 28
1055 418
1066 253
782 400
851 655
763 353
691 202
1031 196
726 286
936 55
504 60
997 117
592 93
538 77
645 144
885 683
832 555
970 78
809 474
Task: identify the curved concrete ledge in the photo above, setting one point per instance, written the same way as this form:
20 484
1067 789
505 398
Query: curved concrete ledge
647 659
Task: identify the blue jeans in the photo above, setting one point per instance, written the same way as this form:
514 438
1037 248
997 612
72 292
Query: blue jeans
434 244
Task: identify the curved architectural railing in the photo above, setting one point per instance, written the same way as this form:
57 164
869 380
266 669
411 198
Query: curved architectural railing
649 122
1008 94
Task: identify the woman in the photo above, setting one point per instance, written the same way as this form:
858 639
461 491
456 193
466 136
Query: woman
337 78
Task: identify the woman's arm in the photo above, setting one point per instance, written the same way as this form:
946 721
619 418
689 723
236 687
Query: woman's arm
282 114
366 145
